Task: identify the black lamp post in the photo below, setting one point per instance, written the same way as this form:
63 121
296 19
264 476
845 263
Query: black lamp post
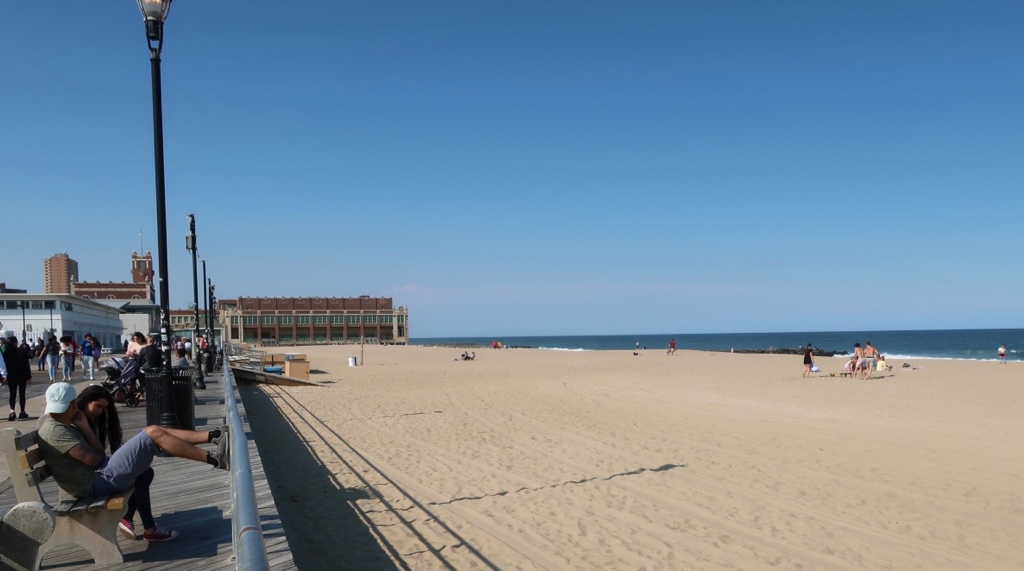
154 13
24 337
206 313
190 245
211 317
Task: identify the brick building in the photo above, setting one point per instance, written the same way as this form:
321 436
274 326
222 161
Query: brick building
58 272
140 288
308 320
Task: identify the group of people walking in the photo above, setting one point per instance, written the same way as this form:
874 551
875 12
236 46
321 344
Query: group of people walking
51 356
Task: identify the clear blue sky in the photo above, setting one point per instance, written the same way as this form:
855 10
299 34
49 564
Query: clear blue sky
536 167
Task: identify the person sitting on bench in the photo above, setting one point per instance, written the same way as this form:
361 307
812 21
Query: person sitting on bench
75 454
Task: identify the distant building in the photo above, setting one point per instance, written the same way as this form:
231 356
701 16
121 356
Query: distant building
39 315
310 320
183 323
5 289
140 288
58 272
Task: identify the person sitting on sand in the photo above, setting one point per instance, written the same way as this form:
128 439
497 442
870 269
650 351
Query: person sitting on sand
881 364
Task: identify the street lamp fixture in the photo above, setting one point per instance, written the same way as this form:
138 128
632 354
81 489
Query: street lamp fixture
154 13
190 245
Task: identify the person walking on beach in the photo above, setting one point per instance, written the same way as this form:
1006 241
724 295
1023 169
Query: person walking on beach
1002 354
808 360
871 355
672 347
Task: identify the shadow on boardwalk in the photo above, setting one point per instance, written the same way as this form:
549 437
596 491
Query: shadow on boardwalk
317 513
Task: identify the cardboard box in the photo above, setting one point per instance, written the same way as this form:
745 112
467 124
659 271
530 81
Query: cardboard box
271 359
297 369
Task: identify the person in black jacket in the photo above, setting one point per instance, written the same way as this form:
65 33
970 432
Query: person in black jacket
150 356
19 374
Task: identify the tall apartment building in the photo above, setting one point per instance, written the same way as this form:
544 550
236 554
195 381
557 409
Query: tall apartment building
58 271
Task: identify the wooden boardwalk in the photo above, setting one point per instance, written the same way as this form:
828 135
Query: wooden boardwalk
193 498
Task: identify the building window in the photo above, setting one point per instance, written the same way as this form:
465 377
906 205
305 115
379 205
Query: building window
302 320
303 337
387 319
337 319
234 320
65 306
401 319
286 338
268 319
251 320
353 320
370 319
286 320
37 305
320 319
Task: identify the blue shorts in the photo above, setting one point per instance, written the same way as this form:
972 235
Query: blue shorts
120 470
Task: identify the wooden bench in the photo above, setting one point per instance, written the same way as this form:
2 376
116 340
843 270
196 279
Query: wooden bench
87 522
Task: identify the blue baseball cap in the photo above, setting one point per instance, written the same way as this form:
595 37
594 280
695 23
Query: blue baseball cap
59 397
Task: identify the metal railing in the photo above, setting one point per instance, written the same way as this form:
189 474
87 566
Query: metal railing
247 535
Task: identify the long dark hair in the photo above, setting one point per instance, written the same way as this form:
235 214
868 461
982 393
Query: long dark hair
108 424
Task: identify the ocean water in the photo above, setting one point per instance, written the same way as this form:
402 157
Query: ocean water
973 344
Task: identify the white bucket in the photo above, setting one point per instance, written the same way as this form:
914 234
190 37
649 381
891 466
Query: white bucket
351 361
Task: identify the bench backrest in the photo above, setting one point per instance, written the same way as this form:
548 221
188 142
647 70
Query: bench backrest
25 462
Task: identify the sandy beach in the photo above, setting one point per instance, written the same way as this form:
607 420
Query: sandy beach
534 459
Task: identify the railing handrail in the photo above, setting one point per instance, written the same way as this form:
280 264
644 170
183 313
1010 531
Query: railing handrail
246 533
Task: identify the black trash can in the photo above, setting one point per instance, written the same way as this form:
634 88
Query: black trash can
183 402
211 356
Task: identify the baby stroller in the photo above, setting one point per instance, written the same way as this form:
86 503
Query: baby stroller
123 381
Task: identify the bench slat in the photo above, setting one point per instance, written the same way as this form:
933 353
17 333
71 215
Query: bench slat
30 458
26 441
119 501
98 503
64 507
